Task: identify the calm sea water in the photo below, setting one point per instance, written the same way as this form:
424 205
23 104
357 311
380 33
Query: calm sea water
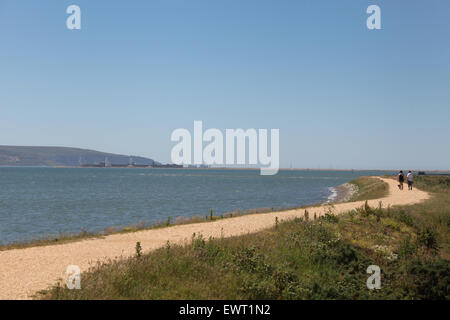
42 201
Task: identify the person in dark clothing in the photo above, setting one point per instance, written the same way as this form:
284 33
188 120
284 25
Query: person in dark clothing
401 179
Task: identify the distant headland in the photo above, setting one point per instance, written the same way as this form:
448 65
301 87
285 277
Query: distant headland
22 156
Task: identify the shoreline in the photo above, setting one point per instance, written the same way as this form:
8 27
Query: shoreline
342 193
18 267
339 194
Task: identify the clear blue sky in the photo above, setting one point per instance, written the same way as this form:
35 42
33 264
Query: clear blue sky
342 96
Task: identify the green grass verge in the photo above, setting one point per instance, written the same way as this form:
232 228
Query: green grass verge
301 259
369 188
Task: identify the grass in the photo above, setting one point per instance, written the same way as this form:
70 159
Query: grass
325 258
369 188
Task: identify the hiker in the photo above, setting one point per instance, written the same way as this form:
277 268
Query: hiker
410 178
401 179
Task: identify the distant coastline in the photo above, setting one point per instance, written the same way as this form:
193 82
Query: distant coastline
42 156
68 157
175 166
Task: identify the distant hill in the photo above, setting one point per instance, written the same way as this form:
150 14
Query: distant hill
62 156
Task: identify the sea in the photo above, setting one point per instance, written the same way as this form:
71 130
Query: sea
38 202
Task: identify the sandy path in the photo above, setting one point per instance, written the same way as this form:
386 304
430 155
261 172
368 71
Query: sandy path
26 271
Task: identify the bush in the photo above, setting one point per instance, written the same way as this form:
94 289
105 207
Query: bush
284 278
345 254
365 210
407 248
138 249
431 279
254 288
405 218
391 223
247 259
329 217
428 238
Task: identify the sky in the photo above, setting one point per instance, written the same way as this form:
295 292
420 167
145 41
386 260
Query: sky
342 96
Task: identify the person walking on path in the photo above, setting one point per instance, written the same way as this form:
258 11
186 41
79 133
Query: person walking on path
401 179
410 178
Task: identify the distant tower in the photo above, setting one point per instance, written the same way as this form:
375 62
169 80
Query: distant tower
107 164
80 162
130 162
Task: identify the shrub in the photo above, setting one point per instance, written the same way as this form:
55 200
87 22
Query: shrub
329 217
407 247
365 209
428 238
431 279
198 243
255 288
247 259
283 278
345 254
391 223
138 249
405 218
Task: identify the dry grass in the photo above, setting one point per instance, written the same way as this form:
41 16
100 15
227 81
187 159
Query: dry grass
369 188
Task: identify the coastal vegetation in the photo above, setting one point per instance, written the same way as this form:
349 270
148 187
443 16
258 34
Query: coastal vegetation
306 258
369 188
